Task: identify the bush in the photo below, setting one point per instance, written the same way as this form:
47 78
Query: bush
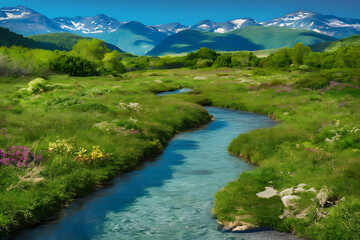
75 66
313 83
112 63
203 63
93 107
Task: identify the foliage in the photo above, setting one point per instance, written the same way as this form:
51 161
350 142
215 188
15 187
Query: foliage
112 63
74 66
63 41
315 82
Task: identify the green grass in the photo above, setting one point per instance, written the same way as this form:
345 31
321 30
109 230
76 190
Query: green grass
293 152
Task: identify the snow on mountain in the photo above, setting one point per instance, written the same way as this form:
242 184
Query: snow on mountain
224 27
23 20
97 24
326 24
171 28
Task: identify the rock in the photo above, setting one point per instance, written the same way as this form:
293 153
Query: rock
288 200
323 195
300 188
303 213
312 190
268 193
287 191
241 228
236 226
286 214
301 185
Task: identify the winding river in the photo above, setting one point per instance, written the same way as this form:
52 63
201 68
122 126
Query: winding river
168 198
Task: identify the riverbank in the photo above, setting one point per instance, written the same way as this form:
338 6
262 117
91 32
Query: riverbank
310 161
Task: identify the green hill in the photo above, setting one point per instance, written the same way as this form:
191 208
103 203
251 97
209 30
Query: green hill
63 41
250 38
8 39
50 41
335 45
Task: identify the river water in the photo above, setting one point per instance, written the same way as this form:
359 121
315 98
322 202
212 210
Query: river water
170 197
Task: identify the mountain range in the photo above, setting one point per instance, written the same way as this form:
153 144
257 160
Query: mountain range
135 37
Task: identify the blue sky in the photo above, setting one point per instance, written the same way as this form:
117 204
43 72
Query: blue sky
187 12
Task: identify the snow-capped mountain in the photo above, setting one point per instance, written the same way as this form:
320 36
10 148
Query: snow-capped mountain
171 28
224 27
97 24
25 21
326 24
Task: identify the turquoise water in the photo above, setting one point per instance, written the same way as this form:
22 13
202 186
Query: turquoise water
183 90
168 198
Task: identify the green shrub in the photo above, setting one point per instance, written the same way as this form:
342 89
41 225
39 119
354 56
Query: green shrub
75 66
93 107
315 82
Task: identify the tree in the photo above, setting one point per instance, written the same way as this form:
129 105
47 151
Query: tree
112 62
90 49
297 53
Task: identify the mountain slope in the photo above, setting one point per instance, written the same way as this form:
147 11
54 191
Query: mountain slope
25 21
333 46
326 24
250 38
133 37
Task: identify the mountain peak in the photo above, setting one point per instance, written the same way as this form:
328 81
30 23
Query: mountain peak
20 8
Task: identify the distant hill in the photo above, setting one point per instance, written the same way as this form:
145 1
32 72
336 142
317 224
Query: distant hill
250 38
335 45
8 39
50 41
63 41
